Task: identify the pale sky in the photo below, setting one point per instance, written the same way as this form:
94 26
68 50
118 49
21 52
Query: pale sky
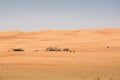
35 15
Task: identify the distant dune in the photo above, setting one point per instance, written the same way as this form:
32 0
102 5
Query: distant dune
72 38
94 53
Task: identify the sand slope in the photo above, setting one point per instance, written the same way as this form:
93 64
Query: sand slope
97 54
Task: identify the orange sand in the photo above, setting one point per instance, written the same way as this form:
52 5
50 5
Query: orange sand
92 57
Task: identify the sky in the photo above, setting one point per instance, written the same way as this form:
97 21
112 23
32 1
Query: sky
35 15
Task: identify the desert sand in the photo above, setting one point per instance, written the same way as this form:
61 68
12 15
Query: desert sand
96 56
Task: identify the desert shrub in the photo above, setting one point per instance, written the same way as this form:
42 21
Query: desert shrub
66 49
59 49
49 49
17 49
56 49
53 49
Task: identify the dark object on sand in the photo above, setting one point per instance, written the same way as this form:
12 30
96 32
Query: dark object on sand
59 49
108 46
70 51
36 50
53 49
66 49
17 49
74 51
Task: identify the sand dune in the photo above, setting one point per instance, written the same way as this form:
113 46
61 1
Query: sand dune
97 54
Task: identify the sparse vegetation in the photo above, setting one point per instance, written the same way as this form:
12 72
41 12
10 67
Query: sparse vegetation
53 49
17 49
59 49
66 49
